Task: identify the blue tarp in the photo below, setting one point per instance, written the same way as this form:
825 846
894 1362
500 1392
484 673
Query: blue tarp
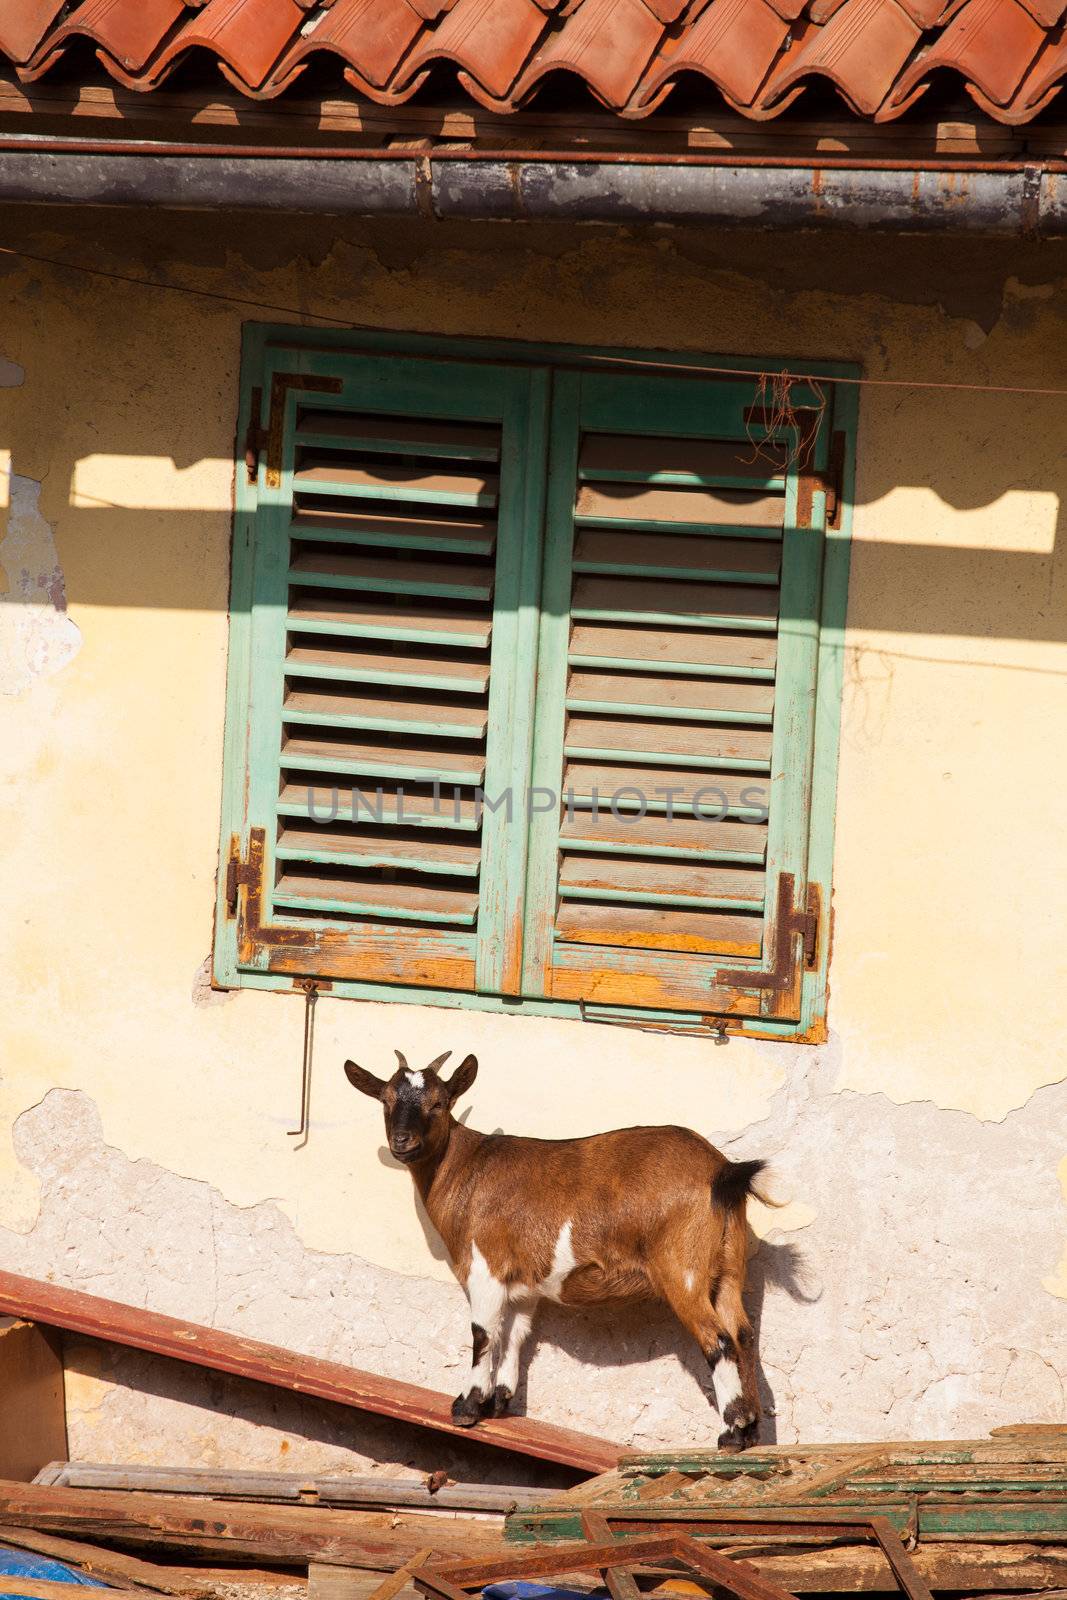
520 1589
24 1564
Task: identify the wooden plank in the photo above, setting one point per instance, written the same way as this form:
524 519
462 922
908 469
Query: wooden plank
340 710
407 902
664 880
639 458
723 508
435 579
413 668
904 1569
52 1589
467 441
286 1369
672 648
236 1530
707 792
321 475
329 524
696 741
724 697
464 626
605 550
656 599
380 803
398 1580
362 758
659 928
327 1582
654 835
34 1429
110 1566
382 849
242 1484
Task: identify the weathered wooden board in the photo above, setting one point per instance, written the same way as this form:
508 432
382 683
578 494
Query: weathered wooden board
33 1428
238 1530
296 1487
287 1369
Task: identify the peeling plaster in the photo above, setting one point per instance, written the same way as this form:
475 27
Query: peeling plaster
1056 1282
905 1309
37 637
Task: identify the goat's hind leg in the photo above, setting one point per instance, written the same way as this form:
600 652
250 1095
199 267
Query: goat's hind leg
737 1390
488 1300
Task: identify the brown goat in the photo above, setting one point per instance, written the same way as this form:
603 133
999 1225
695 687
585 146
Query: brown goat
641 1213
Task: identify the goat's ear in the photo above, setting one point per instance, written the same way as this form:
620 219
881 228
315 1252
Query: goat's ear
364 1081
462 1078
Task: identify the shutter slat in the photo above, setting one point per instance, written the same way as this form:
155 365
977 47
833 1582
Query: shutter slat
702 509
637 600
675 697
668 836
699 743
692 556
395 805
374 481
691 786
387 760
633 458
444 579
412 670
659 882
354 850
688 651
330 526
441 718
462 626
658 928
408 902
407 436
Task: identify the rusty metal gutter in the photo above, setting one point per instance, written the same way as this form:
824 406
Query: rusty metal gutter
900 196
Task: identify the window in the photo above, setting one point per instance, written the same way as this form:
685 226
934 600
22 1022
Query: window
534 681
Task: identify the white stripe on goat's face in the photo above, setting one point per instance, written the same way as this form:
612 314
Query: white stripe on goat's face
564 1262
415 1079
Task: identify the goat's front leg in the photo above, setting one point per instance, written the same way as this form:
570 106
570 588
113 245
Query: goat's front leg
488 1300
507 1378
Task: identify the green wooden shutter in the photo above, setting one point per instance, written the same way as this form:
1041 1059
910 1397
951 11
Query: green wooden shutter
678 650
390 552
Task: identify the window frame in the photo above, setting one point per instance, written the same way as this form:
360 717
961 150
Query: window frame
258 339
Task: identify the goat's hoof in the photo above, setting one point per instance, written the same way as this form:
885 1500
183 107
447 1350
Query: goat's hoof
467 1409
501 1401
738 1437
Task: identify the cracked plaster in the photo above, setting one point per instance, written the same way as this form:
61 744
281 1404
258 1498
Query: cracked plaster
917 1151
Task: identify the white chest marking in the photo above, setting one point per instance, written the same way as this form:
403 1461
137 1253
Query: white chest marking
564 1262
415 1079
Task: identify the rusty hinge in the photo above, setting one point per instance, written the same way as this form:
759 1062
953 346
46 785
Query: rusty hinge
830 479
791 919
256 437
238 872
267 437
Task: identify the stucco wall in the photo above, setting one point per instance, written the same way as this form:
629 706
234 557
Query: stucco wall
916 1280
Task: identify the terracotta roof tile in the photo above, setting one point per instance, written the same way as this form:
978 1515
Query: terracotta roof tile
758 56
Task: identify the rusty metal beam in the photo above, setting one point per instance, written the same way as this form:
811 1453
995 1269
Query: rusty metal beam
1013 199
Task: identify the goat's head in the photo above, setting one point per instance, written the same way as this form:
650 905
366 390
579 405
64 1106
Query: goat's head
417 1105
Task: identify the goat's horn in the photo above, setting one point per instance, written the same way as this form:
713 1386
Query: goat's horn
402 1059
439 1062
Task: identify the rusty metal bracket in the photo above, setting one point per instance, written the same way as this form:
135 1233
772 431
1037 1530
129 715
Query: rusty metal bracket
238 872
269 437
786 968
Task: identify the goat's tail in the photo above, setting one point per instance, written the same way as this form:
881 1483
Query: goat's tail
735 1181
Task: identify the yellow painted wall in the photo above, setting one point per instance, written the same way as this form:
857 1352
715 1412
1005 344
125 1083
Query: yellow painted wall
948 976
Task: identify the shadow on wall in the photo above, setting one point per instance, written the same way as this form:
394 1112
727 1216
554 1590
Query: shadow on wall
971 450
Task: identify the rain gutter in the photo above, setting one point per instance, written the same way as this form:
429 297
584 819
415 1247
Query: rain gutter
1013 198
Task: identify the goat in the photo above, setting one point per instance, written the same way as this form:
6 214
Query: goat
640 1213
